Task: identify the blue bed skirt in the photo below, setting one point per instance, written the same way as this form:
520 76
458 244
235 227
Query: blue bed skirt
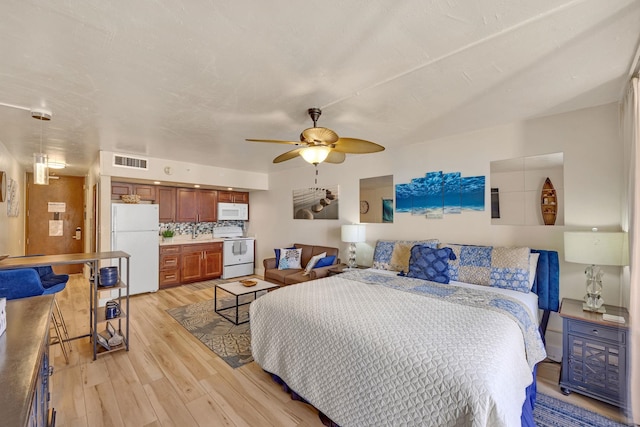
527 407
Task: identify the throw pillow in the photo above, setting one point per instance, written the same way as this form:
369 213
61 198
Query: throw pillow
430 264
325 262
277 251
510 268
290 259
312 262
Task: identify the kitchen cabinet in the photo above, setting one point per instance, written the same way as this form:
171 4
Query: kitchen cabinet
170 261
166 197
201 261
196 205
233 197
146 192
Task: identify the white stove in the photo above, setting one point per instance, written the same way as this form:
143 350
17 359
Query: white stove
237 251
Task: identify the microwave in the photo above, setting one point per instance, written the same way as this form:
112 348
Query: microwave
233 211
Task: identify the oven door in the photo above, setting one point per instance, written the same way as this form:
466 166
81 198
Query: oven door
237 251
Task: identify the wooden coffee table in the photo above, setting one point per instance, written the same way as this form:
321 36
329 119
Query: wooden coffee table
238 289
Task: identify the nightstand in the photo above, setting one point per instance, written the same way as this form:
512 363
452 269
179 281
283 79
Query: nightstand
595 353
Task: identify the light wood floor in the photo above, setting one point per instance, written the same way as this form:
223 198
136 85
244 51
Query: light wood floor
169 378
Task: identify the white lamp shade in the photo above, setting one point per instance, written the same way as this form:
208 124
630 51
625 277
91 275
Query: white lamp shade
315 155
596 247
40 169
353 233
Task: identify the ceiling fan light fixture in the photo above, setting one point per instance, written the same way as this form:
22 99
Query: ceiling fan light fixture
315 155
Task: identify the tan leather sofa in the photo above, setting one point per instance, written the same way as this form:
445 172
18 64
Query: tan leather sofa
292 276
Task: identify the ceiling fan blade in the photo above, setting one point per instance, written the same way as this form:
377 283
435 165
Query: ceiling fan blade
288 155
356 146
335 157
277 141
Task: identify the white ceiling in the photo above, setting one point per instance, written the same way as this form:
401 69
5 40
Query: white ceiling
190 80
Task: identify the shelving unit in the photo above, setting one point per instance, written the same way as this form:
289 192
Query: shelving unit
97 314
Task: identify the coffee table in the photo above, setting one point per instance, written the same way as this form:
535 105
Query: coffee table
238 289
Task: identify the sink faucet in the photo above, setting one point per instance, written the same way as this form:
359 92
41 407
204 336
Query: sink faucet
194 231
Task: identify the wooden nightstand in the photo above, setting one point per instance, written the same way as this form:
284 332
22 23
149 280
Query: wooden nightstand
595 353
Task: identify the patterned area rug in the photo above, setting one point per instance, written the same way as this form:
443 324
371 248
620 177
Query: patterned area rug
552 412
232 343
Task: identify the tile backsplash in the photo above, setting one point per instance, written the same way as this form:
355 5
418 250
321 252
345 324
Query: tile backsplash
201 227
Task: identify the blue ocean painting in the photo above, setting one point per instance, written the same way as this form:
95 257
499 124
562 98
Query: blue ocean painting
403 198
472 193
419 196
452 204
435 195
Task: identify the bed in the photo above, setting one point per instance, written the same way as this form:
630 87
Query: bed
371 348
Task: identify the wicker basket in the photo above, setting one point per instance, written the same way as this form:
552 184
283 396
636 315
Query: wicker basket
130 198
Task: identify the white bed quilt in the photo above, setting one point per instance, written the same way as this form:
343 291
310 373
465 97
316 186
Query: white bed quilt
369 355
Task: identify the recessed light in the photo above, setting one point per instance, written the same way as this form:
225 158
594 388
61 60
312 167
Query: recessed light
230 188
197 185
157 182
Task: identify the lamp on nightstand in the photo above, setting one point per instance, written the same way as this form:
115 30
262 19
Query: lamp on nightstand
596 248
352 234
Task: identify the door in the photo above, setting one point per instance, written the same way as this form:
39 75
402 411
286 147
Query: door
167 204
212 260
207 205
187 209
54 212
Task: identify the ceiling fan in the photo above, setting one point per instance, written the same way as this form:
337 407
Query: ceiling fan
319 145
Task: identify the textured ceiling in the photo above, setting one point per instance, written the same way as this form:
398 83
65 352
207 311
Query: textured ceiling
191 80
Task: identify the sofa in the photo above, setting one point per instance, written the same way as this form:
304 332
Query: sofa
292 276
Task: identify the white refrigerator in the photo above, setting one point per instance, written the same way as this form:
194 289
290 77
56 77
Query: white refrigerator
134 230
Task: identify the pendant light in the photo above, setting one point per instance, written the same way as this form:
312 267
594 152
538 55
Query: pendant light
40 166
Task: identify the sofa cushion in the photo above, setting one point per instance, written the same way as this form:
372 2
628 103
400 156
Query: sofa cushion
326 261
296 277
278 276
277 252
312 262
309 250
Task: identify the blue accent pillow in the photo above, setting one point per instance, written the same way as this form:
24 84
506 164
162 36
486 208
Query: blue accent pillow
430 264
326 261
277 251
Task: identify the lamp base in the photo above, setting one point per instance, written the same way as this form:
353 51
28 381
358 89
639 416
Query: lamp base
585 307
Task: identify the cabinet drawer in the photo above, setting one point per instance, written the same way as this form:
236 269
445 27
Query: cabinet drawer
165 250
169 277
598 331
169 262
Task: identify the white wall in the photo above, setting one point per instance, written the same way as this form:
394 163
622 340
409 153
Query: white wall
592 150
12 228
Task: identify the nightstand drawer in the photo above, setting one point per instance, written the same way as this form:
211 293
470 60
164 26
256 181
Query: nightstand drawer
598 331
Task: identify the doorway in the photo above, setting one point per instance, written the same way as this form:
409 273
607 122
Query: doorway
55 219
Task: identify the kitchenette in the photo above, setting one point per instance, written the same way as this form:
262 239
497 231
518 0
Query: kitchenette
204 229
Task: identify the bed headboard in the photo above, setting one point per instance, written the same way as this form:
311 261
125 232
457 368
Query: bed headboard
547 281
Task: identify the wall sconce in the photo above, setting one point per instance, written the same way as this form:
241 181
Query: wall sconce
593 247
352 234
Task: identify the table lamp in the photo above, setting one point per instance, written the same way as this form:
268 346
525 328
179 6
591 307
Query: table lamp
595 248
352 234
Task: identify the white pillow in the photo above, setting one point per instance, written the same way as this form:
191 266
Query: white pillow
533 266
290 259
312 262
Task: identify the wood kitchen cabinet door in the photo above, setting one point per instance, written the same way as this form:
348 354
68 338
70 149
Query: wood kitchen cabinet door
167 204
233 197
187 209
212 261
146 192
120 189
207 205
191 270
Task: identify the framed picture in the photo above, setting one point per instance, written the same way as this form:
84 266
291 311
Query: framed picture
316 203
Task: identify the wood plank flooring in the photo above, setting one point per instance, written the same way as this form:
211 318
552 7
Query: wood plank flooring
169 378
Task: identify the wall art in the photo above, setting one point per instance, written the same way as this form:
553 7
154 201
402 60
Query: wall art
13 198
316 203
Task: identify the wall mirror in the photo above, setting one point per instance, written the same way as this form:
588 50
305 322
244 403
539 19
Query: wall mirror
376 199
528 190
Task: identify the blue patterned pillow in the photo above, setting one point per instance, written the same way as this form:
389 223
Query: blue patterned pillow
383 255
500 267
430 264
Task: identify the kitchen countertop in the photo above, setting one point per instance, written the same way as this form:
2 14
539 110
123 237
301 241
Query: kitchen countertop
187 240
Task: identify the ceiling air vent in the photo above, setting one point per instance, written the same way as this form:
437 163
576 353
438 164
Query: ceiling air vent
130 162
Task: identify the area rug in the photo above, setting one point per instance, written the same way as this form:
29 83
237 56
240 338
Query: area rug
231 342
552 412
